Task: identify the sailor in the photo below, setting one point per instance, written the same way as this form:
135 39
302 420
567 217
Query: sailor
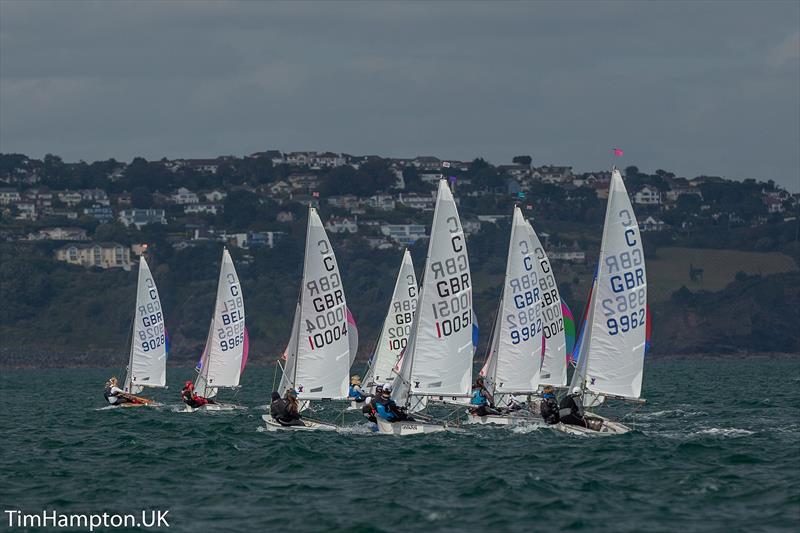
481 403
291 416
387 409
549 406
191 398
571 409
114 395
356 393
368 410
277 409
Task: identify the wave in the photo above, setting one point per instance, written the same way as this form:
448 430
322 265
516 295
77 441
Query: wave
670 413
724 432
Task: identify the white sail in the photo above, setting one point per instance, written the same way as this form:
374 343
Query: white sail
225 344
322 362
147 366
393 338
438 359
613 360
290 354
554 360
519 339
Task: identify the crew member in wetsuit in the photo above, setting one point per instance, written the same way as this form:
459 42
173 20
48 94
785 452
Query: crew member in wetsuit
277 409
291 416
482 402
114 395
387 409
549 406
191 398
571 409
356 393
368 410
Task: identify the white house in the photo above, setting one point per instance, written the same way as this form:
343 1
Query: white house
406 234
341 225
9 196
142 217
215 195
417 201
26 211
194 209
572 254
97 196
647 196
427 163
184 196
70 198
381 202
651 224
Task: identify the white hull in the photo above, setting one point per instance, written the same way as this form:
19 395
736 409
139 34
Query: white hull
502 420
213 407
407 428
310 425
608 428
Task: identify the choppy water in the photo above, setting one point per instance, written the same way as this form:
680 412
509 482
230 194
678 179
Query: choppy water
717 448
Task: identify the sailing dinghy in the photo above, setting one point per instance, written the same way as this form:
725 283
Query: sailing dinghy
317 358
438 358
514 353
396 328
225 352
147 360
611 355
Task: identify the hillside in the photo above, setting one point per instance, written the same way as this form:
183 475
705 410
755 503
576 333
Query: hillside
57 314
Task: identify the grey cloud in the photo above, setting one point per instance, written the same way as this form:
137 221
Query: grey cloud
707 87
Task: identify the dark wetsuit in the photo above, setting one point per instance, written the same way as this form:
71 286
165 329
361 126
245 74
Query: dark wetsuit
285 413
571 411
549 409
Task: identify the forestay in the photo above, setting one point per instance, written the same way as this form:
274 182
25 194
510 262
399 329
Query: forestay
438 358
611 359
554 360
322 361
516 352
147 365
396 326
221 364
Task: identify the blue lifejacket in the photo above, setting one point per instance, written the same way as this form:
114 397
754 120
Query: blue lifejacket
477 397
354 393
384 412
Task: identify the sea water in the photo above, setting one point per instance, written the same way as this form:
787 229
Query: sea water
716 448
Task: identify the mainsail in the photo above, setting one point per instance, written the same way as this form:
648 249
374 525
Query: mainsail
438 358
516 346
554 360
318 355
223 355
611 357
147 364
396 326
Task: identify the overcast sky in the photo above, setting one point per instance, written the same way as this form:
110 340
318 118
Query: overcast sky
697 87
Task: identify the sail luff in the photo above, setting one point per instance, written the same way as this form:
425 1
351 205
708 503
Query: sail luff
148 363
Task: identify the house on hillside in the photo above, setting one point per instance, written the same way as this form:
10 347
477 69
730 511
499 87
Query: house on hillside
427 163
184 196
417 201
70 198
570 254
647 196
102 213
100 254
405 234
652 224
341 225
142 217
59 234
9 195
207 208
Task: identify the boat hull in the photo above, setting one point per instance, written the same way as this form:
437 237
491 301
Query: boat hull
213 407
310 425
608 428
407 428
502 420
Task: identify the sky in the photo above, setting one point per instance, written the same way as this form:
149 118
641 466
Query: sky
692 87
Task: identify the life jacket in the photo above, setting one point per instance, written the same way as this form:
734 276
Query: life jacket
355 393
384 411
109 397
477 397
